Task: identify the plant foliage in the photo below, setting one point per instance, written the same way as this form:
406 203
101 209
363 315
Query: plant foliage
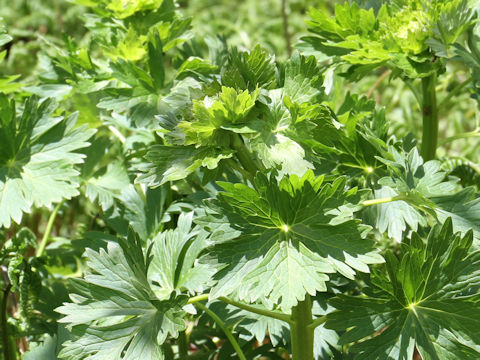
184 181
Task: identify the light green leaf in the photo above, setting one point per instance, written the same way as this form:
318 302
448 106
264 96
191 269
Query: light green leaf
107 183
303 79
114 313
413 184
174 254
212 116
125 8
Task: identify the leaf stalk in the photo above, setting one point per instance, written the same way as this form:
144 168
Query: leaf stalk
265 312
48 230
382 200
225 329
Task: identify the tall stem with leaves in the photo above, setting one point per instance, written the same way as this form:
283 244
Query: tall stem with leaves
301 327
430 117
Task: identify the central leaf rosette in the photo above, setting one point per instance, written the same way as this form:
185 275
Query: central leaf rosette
278 242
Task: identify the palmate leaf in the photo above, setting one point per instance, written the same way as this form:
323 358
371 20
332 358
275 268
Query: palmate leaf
274 145
414 183
428 299
422 189
174 254
37 157
114 312
303 79
277 243
464 209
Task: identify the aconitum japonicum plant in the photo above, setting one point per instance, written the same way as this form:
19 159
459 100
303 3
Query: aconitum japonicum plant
244 206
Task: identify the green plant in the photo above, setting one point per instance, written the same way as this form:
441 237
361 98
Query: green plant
218 203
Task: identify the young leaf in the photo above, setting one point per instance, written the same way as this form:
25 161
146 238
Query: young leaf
170 163
303 79
249 71
213 116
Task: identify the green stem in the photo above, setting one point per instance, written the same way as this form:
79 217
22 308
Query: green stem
8 350
302 331
265 312
244 156
225 329
381 200
317 322
48 230
256 310
197 298
430 117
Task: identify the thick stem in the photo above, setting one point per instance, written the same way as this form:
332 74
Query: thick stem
48 230
244 156
430 117
225 329
301 331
